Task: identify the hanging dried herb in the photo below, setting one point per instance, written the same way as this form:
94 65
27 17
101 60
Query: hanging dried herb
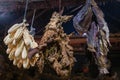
54 48
90 19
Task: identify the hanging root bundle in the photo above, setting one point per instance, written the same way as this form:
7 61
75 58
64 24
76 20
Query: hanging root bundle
54 48
20 44
90 19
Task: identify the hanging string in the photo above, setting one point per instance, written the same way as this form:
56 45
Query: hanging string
60 5
33 17
26 6
32 30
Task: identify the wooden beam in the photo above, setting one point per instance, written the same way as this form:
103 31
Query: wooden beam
79 43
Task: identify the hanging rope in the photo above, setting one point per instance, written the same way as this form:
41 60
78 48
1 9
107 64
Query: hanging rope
32 29
61 9
60 5
26 6
33 17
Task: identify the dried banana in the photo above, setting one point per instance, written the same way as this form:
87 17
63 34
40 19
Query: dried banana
15 61
15 27
8 50
11 54
8 39
18 34
19 49
19 41
26 63
26 37
24 53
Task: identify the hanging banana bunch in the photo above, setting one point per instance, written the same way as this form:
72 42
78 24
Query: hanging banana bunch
20 43
54 48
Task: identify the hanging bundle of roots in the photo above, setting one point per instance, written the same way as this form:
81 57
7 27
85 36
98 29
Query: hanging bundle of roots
54 48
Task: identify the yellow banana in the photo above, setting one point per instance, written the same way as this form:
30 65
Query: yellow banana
24 53
8 50
34 59
11 54
14 42
15 61
19 64
18 33
11 46
19 48
15 27
26 37
8 39
26 63
32 38
33 45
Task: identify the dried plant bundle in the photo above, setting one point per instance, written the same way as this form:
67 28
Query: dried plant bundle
54 48
90 20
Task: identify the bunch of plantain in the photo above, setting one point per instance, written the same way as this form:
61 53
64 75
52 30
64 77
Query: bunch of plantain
19 44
